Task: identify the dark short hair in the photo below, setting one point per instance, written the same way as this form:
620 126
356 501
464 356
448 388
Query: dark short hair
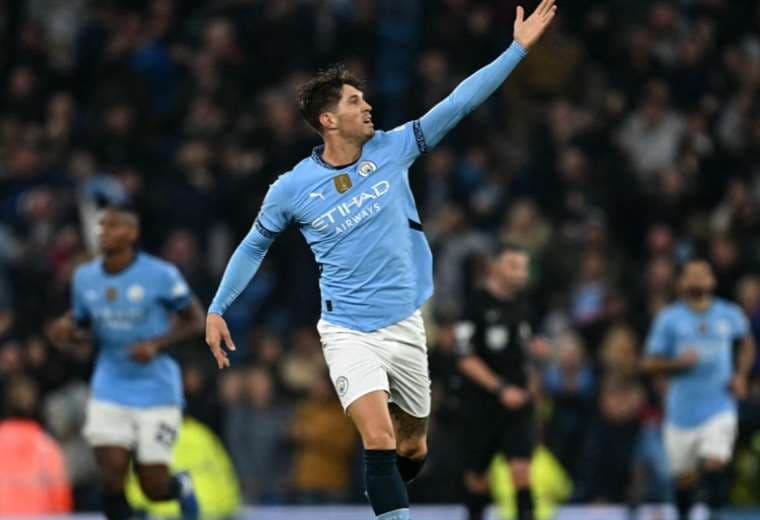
126 208
508 247
694 259
322 91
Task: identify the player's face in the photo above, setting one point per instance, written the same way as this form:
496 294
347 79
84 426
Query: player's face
354 115
511 268
697 280
117 231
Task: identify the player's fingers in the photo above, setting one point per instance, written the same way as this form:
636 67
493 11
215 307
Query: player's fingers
541 8
520 16
550 14
546 8
220 357
228 340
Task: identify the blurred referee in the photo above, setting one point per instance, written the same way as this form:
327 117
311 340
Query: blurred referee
493 342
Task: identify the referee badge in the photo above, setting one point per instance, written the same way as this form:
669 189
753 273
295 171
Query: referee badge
341 385
342 183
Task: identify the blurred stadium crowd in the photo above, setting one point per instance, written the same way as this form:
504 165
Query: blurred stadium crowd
629 139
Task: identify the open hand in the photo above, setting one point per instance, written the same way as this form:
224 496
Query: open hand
216 333
513 397
144 351
688 359
527 32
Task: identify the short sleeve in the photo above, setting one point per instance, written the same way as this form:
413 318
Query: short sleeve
407 141
80 312
275 214
175 293
740 324
463 333
660 341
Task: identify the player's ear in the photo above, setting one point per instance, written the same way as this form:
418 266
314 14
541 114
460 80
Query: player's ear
328 120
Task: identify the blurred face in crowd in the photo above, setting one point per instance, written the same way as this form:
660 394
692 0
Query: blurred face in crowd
119 230
511 270
351 117
697 281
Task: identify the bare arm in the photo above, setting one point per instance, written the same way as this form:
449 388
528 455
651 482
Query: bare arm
746 356
65 332
189 324
511 396
655 365
477 371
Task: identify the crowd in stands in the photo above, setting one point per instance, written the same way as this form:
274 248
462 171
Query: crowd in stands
628 140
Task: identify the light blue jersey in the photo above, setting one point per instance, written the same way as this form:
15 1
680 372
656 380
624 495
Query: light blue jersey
360 220
697 394
121 310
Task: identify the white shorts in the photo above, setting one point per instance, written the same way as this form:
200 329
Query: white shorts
150 433
714 439
393 359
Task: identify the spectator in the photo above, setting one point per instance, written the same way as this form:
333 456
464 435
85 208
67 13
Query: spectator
33 476
609 450
256 427
324 441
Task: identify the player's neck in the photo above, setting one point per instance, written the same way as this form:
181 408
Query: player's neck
700 305
118 261
339 152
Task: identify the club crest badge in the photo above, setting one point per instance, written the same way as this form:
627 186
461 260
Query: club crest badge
366 168
135 293
341 385
342 183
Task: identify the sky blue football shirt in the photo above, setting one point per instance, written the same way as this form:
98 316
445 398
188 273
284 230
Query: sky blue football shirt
361 221
698 394
121 310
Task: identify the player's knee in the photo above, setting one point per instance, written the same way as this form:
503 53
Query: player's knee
112 476
155 488
476 483
686 480
112 481
713 465
414 448
520 472
380 439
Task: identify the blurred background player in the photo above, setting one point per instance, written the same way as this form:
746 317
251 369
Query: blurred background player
352 202
493 342
704 346
132 306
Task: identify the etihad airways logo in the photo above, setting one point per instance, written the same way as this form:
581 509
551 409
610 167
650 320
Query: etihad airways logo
352 211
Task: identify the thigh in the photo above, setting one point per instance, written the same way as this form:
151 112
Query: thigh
481 437
157 431
373 420
113 462
408 372
110 425
352 357
681 449
717 437
518 439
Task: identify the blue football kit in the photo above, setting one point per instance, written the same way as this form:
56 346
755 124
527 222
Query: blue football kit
360 220
701 392
121 310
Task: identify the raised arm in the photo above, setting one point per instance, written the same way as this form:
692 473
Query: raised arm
479 86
